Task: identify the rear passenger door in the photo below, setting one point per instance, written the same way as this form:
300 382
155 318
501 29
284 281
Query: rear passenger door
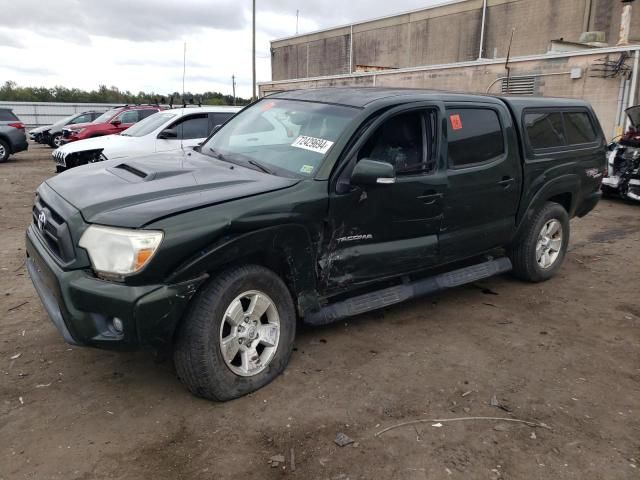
485 176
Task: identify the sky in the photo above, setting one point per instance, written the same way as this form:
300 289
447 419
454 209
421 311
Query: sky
138 44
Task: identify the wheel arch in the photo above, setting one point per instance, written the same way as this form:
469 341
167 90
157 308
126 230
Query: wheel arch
6 140
285 249
562 190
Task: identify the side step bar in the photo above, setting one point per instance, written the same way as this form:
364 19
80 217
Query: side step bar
392 295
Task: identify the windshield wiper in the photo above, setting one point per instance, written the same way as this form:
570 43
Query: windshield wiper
260 166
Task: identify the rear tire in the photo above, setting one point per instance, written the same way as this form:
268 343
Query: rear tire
4 151
541 249
223 351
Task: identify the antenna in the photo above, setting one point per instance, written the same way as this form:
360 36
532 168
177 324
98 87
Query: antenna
506 63
297 18
233 85
184 67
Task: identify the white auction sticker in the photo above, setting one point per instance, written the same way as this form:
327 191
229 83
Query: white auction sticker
318 145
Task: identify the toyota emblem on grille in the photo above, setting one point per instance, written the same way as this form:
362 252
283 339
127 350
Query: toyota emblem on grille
42 220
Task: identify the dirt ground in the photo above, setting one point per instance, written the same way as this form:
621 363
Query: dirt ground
565 353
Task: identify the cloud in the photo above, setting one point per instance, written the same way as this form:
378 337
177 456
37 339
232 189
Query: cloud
35 71
9 40
138 20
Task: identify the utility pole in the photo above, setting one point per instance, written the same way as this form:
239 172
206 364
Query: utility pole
253 60
297 18
233 83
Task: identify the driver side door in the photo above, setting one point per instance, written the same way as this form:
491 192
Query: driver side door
388 229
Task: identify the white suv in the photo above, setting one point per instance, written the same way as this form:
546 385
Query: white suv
164 131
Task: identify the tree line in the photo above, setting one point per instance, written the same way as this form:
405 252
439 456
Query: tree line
11 91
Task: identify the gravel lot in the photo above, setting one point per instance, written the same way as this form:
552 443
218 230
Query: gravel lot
565 353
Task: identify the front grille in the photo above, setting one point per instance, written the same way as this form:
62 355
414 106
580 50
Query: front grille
58 157
53 230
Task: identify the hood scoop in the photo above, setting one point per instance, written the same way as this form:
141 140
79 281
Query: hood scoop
137 172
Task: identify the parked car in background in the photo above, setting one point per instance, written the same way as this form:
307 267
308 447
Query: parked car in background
13 138
164 131
35 134
368 198
52 134
110 122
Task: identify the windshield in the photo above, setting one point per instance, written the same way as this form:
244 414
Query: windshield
148 125
106 116
65 120
281 135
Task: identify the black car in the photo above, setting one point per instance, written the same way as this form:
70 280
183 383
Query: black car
313 205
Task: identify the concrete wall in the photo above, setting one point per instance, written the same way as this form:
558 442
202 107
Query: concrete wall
477 77
447 34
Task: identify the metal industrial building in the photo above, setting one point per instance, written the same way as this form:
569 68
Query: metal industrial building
571 48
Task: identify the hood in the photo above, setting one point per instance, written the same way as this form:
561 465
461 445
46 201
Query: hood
95 143
40 129
78 126
634 116
135 192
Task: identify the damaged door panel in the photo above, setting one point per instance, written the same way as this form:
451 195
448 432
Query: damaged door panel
389 226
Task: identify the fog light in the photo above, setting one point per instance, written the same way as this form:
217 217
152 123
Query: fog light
117 325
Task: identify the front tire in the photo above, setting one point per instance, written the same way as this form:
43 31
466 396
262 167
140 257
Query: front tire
541 249
238 334
56 141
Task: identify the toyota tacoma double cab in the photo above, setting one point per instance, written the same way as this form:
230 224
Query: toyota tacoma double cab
310 205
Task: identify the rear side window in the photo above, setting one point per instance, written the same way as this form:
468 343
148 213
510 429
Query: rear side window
579 128
545 130
7 116
194 126
475 136
559 129
146 112
219 118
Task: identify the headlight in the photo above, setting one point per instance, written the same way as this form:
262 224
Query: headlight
118 251
76 132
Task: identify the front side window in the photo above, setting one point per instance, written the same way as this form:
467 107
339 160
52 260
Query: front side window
401 141
286 136
545 130
218 118
129 117
194 126
106 116
474 136
148 125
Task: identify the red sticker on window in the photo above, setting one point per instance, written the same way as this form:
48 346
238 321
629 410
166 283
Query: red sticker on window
456 122
268 106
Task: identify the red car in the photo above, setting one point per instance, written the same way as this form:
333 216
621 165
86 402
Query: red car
110 122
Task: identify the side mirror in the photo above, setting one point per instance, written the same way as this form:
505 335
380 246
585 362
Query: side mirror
373 172
216 128
116 123
168 133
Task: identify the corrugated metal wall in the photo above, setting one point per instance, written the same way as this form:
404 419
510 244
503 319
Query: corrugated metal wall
36 114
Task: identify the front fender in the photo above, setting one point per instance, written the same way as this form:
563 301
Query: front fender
290 245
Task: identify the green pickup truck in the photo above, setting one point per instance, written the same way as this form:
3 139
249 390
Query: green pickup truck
314 205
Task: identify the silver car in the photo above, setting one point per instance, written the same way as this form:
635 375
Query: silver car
13 138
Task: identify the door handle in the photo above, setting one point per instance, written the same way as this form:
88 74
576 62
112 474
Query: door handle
430 198
506 182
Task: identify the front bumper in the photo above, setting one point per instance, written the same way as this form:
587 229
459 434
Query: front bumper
82 306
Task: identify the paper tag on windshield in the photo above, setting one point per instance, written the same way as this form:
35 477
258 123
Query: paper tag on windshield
318 145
